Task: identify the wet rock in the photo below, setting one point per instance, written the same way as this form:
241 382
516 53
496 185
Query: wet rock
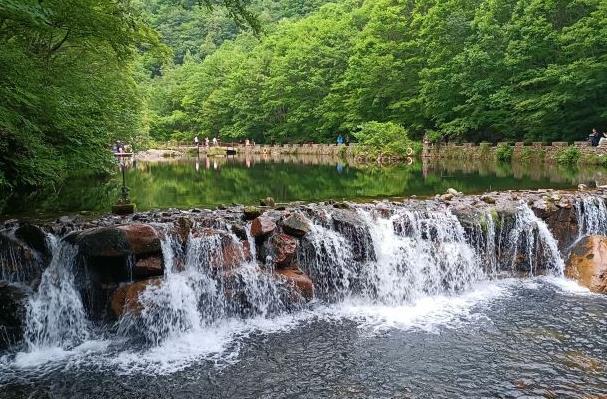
221 251
488 199
341 205
283 248
126 298
582 187
262 227
296 224
18 263
252 212
446 197
269 201
183 226
298 280
13 308
454 192
587 263
349 224
34 237
100 242
148 267
143 239
240 232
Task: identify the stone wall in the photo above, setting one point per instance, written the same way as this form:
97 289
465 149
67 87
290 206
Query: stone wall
539 151
290 149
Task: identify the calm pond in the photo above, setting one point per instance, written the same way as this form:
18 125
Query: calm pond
207 182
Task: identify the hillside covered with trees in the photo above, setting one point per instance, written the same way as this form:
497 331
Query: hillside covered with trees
78 74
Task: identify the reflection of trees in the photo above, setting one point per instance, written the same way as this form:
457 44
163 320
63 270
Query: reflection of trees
316 178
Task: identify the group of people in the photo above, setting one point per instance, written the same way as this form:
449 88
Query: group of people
597 139
216 142
343 140
206 141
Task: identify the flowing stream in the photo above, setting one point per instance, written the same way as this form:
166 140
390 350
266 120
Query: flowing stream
409 271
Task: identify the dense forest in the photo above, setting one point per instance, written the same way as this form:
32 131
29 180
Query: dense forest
77 74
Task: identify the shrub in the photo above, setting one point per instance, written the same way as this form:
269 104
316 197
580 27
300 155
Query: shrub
504 152
386 139
568 156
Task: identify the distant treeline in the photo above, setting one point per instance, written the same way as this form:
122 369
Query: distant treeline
469 69
76 75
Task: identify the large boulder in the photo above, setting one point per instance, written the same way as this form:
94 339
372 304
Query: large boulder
296 224
262 227
126 298
13 308
107 242
587 263
297 280
143 239
34 237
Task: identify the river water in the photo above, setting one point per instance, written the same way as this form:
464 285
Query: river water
541 337
204 182
408 305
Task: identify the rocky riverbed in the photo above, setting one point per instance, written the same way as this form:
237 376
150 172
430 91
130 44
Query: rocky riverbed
288 250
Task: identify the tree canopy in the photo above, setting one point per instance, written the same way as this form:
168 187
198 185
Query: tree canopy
77 74
469 69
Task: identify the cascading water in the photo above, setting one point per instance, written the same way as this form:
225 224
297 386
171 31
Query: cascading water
55 315
213 281
530 243
428 257
379 258
591 215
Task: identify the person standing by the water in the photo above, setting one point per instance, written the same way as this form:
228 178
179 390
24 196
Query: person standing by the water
196 143
594 138
214 141
340 139
206 142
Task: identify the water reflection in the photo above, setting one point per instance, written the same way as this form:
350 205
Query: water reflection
202 181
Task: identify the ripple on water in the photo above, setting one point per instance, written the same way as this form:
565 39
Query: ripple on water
511 338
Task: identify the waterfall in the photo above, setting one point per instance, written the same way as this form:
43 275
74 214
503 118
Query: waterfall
591 216
213 280
55 315
428 257
529 244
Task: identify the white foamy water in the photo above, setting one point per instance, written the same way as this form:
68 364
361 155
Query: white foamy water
591 215
403 269
55 315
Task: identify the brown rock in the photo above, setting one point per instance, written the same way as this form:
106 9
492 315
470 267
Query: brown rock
224 252
126 297
284 248
587 263
262 227
143 239
299 281
148 267
183 226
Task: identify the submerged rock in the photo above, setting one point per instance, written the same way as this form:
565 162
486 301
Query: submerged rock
587 263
